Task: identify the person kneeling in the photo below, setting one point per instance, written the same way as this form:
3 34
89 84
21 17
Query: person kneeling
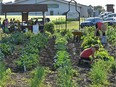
85 54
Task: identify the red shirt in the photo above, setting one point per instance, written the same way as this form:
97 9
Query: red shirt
86 53
99 25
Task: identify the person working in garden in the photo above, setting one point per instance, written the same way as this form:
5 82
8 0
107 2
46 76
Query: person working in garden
85 54
100 26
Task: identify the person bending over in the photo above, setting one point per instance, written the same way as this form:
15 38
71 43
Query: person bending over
100 26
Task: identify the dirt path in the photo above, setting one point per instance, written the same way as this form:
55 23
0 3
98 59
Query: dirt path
19 80
74 48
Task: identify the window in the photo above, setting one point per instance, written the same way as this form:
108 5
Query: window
53 6
51 12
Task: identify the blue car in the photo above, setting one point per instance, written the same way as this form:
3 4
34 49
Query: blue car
91 21
110 20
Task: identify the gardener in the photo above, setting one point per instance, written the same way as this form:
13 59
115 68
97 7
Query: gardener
85 54
100 26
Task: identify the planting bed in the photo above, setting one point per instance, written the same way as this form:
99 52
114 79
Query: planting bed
47 59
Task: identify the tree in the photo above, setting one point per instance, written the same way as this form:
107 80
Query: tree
99 8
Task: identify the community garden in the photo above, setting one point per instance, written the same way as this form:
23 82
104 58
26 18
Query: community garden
50 59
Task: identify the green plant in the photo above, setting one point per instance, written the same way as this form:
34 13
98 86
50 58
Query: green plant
4 75
103 54
49 27
99 73
28 61
62 57
6 48
38 77
2 56
29 34
65 75
17 38
111 33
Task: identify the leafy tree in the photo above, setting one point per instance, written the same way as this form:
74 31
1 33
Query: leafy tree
99 8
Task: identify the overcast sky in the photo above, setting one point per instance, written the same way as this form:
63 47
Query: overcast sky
90 2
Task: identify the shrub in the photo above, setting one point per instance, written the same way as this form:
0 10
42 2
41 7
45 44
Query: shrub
49 27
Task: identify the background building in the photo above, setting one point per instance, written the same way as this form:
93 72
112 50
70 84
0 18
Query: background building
110 8
56 7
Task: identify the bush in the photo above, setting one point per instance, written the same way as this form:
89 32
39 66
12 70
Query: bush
49 27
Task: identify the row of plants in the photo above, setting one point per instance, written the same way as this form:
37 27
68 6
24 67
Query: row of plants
100 72
29 55
105 63
111 35
63 63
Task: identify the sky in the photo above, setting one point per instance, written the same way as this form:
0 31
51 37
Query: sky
90 2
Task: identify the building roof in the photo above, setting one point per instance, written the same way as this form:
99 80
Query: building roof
24 8
62 1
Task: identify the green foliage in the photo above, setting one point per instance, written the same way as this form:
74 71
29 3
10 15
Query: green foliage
89 41
65 75
29 34
111 33
61 43
62 58
30 49
28 60
30 53
99 73
2 56
17 38
4 74
65 71
103 54
2 69
6 48
38 77
69 35
49 27
62 63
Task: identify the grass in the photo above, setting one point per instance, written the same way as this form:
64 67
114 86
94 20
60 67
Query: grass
20 18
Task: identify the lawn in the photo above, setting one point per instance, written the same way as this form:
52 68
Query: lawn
70 25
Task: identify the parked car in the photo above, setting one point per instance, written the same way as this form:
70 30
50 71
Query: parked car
103 14
109 15
110 20
91 21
